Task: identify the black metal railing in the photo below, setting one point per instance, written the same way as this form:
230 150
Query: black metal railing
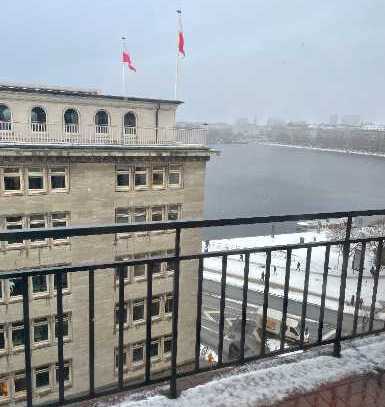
179 226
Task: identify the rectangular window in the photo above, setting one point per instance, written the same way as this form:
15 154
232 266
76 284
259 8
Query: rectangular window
167 346
139 270
156 266
154 350
156 214
140 215
20 384
64 279
42 377
36 182
2 337
173 212
138 311
168 304
58 179
117 358
13 181
14 223
125 315
4 389
40 284
175 176
137 353
17 329
66 326
66 372
122 215
141 177
155 307
37 222
15 287
158 177
170 265
123 177
60 220
40 330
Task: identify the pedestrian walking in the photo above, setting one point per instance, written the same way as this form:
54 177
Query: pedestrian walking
241 257
298 266
352 300
263 276
207 243
372 271
361 303
275 269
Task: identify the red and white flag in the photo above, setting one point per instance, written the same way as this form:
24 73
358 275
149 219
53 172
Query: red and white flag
181 50
126 59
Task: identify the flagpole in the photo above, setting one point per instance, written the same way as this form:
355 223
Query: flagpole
123 69
177 68
177 64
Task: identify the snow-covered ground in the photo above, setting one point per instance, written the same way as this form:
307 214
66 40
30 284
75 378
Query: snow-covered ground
256 386
235 269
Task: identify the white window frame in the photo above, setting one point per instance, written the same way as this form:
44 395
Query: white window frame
158 356
157 209
135 303
166 355
18 173
177 211
3 330
40 322
36 370
20 394
62 219
144 276
39 220
157 299
52 172
142 171
123 213
175 169
41 173
165 298
13 298
136 346
40 293
20 324
67 316
157 169
21 222
122 170
159 265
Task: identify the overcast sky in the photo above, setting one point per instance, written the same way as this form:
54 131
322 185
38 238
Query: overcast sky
293 59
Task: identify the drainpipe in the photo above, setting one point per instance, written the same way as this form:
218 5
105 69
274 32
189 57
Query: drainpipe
157 122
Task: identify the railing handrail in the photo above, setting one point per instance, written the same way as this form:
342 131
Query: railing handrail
90 230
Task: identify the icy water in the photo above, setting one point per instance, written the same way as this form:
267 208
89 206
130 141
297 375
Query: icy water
255 180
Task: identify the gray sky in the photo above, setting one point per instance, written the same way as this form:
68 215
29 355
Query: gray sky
297 59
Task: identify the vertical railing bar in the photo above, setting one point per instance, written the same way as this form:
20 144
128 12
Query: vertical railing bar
60 333
27 340
375 285
199 315
91 330
244 306
121 326
285 298
344 271
305 294
359 286
222 307
323 295
265 302
147 375
175 310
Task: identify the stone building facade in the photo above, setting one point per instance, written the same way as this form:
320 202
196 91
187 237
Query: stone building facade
93 175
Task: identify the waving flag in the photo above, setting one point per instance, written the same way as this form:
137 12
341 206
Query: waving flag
126 59
180 34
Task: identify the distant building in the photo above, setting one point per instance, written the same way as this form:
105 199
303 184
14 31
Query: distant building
333 120
351 120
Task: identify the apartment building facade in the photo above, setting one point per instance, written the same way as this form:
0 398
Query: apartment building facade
77 157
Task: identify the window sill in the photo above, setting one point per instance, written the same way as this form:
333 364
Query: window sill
15 193
37 245
122 189
59 191
137 365
15 299
39 296
38 192
40 345
43 391
61 242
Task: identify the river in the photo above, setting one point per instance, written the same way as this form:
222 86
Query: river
257 180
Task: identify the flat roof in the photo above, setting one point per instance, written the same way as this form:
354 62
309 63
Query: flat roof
43 90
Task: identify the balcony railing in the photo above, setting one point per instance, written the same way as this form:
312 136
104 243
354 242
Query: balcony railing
174 372
74 134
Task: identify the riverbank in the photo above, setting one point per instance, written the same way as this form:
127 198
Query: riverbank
329 150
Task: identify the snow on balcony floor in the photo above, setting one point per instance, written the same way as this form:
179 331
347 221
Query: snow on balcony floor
254 386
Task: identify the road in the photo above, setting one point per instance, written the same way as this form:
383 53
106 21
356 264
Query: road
210 315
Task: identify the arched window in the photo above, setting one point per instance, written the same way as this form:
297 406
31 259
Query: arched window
71 121
101 118
38 119
129 120
71 116
5 113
